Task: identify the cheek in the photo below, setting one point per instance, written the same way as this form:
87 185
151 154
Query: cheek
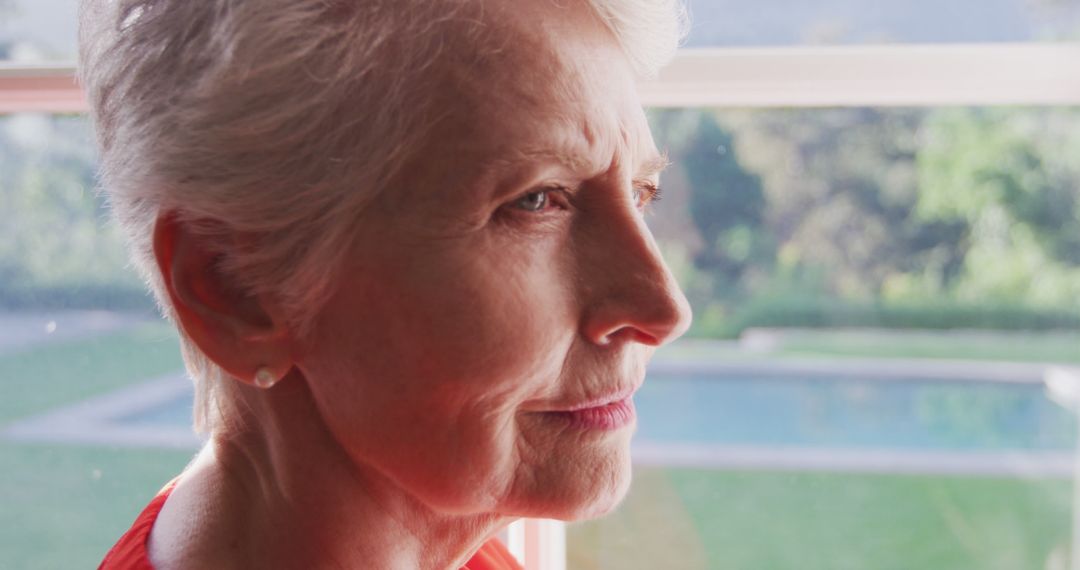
492 321
421 371
452 316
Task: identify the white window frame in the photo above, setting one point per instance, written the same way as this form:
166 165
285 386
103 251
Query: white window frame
850 76
870 76
26 88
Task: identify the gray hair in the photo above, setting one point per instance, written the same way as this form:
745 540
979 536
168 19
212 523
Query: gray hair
279 121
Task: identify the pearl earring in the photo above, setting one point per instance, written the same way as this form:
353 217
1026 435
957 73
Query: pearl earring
264 378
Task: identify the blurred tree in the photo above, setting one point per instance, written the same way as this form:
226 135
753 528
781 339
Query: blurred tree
726 202
878 205
728 205
1011 176
56 240
841 188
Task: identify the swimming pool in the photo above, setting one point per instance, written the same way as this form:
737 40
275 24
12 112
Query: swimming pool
814 410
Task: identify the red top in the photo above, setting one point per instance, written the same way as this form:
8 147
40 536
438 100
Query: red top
130 552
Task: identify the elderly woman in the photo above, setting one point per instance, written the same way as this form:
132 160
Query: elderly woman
403 243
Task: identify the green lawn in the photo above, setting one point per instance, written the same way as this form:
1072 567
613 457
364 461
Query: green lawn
45 376
681 518
1015 347
63 506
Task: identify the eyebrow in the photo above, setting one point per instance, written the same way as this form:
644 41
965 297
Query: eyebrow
653 166
650 168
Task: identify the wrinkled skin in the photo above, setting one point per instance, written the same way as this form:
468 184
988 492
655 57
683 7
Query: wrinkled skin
463 314
510 274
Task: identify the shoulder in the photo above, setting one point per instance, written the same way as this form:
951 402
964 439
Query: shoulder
493 555
196 527
131 552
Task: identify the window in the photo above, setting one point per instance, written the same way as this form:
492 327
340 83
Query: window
875 306
879 241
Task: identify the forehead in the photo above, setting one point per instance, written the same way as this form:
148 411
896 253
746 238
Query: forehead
550 84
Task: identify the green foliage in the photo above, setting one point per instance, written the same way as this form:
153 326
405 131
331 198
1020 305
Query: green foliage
1012 178
980 163
985 345
926 218
726 202
56 245
728 205
841 186
810 312
886 216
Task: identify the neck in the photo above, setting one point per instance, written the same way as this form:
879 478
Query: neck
284 494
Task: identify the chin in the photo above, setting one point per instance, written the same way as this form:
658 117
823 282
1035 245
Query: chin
587 494
600 505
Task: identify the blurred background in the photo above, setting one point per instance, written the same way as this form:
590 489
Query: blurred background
887 313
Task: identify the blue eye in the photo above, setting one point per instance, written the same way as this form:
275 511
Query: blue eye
533 201
646 194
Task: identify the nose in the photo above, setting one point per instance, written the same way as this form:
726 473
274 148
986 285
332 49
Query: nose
630 292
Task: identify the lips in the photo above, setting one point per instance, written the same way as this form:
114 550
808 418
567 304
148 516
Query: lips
607 417
608 414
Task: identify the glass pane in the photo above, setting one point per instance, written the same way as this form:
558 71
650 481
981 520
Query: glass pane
829 22
883 302
880 298
82 355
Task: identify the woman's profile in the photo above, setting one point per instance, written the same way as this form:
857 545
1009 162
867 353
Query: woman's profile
403 243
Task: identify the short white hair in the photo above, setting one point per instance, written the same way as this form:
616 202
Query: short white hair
279 120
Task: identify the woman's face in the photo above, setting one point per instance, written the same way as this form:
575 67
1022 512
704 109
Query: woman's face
504 299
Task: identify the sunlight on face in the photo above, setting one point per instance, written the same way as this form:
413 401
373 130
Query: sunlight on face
503 301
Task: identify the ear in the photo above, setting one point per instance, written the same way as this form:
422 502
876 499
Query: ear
232 328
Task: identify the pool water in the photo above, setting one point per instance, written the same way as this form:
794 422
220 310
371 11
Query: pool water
809 411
